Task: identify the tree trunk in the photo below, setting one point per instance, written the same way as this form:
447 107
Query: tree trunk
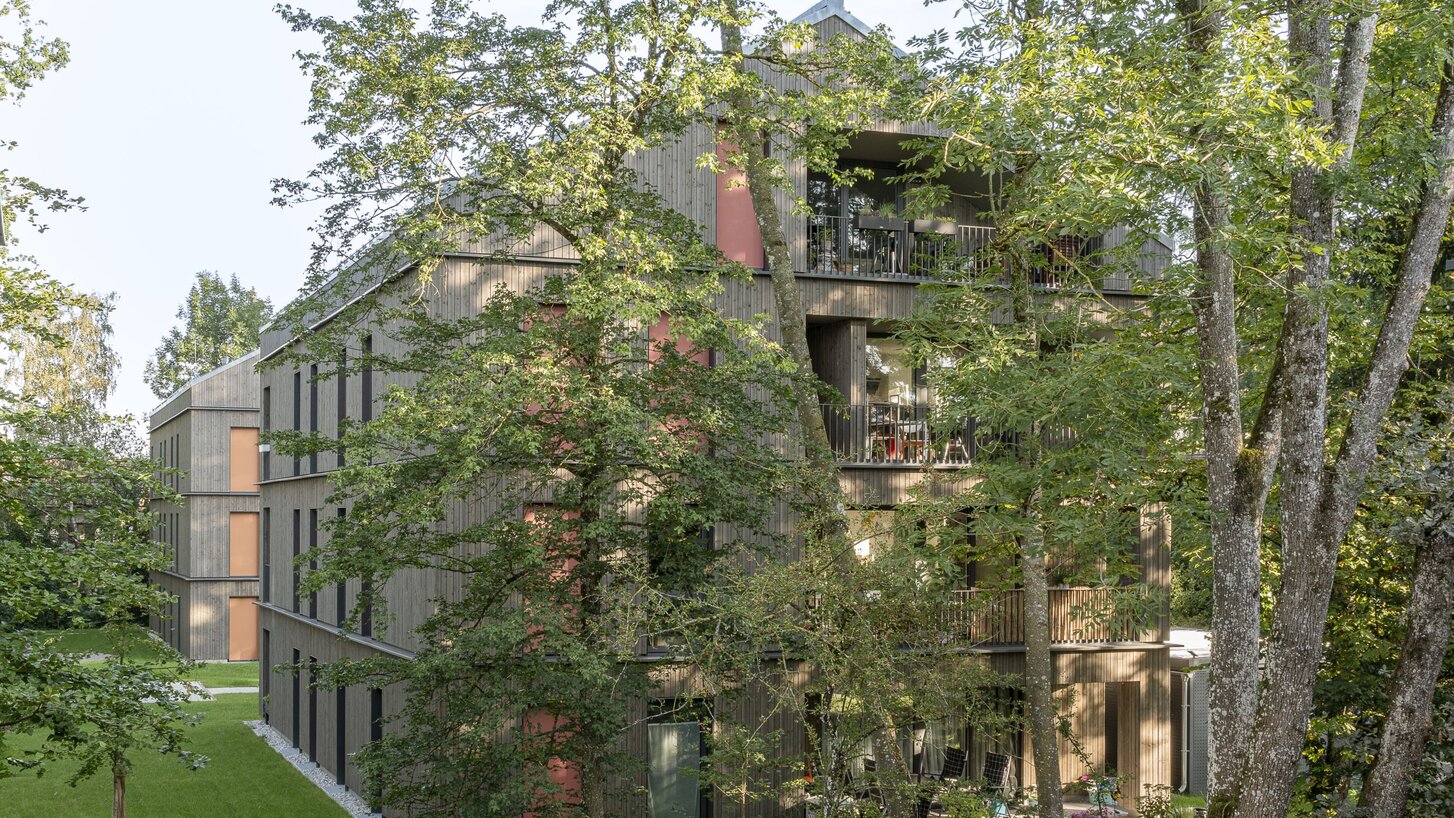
1238 474
118 789
826 496
593 787
1311 554
1040 676
1410 707
898 800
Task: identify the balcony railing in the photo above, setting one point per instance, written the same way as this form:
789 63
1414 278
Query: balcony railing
890 434
1077 616
878 247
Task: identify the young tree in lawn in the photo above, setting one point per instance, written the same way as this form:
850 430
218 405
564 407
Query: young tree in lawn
581 433
75 551
75 544
220 322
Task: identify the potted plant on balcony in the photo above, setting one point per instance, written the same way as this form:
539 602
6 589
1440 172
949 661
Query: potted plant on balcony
883 217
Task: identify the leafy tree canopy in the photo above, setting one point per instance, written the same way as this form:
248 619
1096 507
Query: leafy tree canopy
220 322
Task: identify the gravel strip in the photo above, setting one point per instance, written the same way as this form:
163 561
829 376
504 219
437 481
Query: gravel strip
354 805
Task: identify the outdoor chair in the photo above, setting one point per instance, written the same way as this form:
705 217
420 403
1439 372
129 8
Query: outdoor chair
954 759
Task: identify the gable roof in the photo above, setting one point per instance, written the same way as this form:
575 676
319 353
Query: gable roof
826 9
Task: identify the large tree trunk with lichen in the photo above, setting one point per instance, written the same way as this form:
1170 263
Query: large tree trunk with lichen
1411 704
1318 500
1323 499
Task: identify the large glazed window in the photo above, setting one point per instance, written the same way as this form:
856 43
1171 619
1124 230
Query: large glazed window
675 749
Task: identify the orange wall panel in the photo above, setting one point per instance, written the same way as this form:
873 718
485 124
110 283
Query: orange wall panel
242 628
242 544
243 460
738 236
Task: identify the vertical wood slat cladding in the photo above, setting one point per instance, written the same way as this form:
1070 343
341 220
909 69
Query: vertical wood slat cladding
208 430
286 634
464 283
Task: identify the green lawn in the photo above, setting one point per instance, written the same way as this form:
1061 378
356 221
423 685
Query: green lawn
225 674
95 640
246 779
143 647
1185 803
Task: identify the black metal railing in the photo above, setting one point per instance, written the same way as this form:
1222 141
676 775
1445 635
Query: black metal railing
890 434
882 247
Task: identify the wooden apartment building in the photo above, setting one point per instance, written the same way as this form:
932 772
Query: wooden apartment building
204 439
858 277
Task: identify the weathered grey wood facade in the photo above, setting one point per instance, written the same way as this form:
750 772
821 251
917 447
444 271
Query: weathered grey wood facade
204 441
1122 687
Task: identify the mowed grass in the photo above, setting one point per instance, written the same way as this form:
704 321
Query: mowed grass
141 646
90 641
225 674
1186 803
245 779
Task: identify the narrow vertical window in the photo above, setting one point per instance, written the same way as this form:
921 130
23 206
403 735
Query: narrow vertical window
312 559
340 720
366 617
265 679
267 427
266 526
297 416
376 714
313 415
342 402
297 696
366 380
376 733
312 709
342 590
297 549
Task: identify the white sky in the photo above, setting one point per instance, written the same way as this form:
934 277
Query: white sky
171 120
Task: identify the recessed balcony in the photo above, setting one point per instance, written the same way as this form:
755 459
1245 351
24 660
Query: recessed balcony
889 434
874 246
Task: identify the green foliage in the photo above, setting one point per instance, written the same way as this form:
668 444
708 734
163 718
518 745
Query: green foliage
76 548
579 459
70 366
220 322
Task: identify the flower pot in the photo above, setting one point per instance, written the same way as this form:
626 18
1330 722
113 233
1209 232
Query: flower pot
873 221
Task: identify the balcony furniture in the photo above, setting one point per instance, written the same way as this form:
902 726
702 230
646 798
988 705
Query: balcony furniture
996 771
954 759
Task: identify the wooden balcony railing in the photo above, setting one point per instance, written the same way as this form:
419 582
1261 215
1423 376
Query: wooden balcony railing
1077 615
